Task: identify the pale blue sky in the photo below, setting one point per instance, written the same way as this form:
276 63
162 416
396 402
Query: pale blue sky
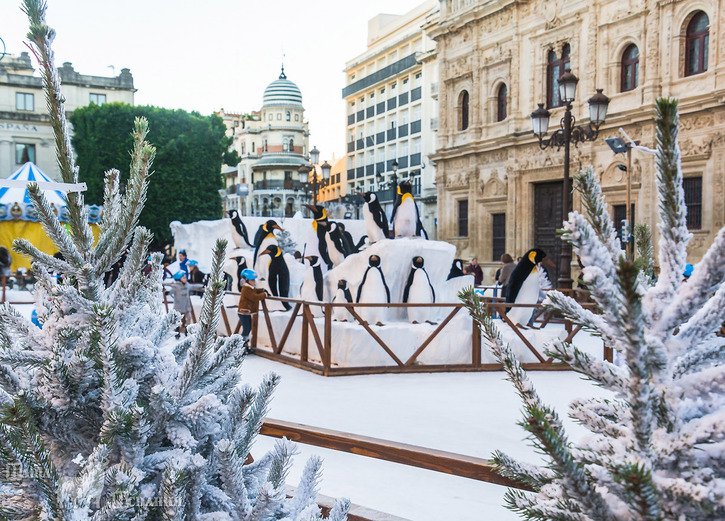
207 54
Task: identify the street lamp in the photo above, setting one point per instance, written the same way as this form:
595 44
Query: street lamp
304 173
568 133
619 146
394 179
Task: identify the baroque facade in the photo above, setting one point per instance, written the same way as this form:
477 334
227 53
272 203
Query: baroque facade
497 190
273 145
25 130
392 107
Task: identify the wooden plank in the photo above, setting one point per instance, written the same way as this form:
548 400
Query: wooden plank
288 360
476 345
226 321
305 341
327 358
288 328
364 324
505 318
268 321
315 333
255 327
573 333
432 336
4 282
396 452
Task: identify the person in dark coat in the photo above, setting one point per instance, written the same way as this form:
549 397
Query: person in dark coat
507 267
475 270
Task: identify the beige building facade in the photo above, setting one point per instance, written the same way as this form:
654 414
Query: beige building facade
497 190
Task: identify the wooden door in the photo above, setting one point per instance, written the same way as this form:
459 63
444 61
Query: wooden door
548 219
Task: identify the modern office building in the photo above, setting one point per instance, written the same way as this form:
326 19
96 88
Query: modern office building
392 108
25 130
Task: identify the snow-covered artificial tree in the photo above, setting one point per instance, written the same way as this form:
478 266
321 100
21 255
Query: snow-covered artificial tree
655 447
285 241
102 415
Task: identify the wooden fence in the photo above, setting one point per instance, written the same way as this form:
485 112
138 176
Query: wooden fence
319 338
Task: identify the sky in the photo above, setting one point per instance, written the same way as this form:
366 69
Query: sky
212 54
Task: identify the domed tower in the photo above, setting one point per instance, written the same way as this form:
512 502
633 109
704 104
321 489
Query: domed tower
284 133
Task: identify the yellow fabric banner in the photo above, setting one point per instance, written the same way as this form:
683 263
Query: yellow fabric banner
32 231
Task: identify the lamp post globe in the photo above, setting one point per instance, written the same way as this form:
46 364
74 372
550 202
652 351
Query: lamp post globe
540 120
314 155
326 168
567 87
304 173
598 105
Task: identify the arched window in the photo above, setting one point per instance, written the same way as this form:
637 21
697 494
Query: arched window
555 68
288 116
696 44
630 68
501 107
291 145
463 110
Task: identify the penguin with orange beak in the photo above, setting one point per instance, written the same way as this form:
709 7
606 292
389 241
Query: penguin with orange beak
264 237
524 285
278 273
406 218
316 243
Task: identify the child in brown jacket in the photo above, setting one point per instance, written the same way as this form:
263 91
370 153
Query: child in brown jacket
249 302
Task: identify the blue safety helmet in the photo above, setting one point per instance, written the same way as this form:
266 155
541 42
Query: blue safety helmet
688 270
192 263
179 274
249 274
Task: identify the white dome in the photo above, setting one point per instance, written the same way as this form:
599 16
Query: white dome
282 92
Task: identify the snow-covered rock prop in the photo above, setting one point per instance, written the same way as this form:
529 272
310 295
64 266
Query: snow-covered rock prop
655 449
103 416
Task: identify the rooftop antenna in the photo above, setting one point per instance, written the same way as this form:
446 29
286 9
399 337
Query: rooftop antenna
282 75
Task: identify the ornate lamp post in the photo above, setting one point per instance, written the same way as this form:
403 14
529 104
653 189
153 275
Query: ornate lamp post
569 133
304 172
394 179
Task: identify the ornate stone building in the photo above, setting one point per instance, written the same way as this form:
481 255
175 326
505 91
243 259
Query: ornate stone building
497 190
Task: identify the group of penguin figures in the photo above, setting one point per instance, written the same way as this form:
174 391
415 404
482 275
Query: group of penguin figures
327 246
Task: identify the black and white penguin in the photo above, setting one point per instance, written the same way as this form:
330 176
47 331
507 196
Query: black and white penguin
241 266
523 286
277 273
348 242
312 286
239 233
406 218
418 290
456 269
342 295
376 223
335 245
373 289
316 243
264 237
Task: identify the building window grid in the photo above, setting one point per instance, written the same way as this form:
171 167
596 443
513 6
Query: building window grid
502 103
24 101
630 68
696 44
24 152
498 235
463 218
693 200
555 68
463 101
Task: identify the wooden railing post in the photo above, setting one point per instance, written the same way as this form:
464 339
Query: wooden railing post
476 344
327 360
4 282
305 333
608 354
255 325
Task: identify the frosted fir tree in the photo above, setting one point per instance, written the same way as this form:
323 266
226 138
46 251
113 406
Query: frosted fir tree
102 415
285 241
654 450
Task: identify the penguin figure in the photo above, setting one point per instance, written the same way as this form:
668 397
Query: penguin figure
312 288
240 231
264 237
418 289
241 266
335 245
406 218
373 289
341 295
316 243
376 223
523 286
456 269
350 246
278 273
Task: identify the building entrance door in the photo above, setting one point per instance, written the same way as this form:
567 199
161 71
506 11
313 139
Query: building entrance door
548 219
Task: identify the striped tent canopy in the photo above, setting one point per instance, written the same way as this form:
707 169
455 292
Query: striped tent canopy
15 202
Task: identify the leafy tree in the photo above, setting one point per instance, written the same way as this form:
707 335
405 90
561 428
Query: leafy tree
102 416
190 151
654 450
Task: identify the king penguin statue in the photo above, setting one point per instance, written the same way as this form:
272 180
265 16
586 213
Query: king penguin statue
373 289
418 290
406 218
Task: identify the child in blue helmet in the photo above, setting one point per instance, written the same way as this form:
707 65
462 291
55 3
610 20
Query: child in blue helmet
249 302
180 290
